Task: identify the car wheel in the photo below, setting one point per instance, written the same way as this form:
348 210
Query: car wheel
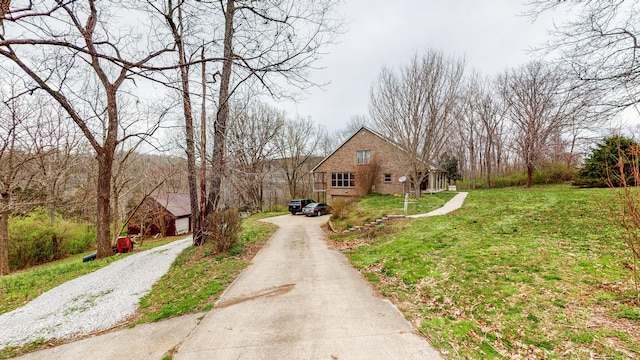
293 213
319 213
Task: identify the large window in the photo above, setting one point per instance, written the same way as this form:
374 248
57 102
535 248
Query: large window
363 156
344 180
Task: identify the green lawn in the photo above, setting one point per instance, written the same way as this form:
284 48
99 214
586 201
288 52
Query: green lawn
514 273
374 206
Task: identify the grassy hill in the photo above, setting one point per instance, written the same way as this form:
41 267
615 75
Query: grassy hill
515 273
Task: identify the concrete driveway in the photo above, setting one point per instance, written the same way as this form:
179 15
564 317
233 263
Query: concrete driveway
300 300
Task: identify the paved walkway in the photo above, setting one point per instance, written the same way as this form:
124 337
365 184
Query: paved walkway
451 205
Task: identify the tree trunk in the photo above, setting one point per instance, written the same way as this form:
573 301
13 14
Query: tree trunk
116 214
487 159
51 199
196 226
191 166
261 195
220 126
292 181
4 9
105 157
472 157
4 234
574 139
103 218
529 155
529 175
203 152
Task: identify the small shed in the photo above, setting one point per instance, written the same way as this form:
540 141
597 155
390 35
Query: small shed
164 214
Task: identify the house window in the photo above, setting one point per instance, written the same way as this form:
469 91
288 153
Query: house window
342 180
363 156
387 178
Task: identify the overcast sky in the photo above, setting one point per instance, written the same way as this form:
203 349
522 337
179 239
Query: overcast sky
490 34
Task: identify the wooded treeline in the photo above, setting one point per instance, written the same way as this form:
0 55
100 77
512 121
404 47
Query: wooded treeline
122 71
104 103
529 120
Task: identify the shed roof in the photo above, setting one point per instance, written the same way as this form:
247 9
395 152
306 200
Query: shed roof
179 205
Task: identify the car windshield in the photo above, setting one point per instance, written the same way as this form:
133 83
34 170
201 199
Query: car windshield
311 206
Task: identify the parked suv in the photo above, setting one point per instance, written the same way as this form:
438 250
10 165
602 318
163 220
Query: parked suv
296 205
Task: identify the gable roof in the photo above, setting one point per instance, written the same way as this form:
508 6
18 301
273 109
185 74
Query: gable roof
179 205
350 137
394 144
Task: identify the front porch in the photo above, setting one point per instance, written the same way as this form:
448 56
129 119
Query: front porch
319 186
434 182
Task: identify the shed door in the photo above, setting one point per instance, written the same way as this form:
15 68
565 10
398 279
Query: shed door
182 225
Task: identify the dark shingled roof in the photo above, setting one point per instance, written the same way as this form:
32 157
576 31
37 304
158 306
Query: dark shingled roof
179 205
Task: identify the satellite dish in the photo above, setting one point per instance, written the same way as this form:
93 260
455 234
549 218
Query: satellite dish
402 179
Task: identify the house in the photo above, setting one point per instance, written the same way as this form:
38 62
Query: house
165 214
367 162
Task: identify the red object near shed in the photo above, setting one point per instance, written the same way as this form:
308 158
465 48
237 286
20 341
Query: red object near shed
124 244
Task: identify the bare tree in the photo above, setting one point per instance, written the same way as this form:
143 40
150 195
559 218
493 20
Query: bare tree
56 166
123 181
354 124
600 44
19 147
469 126
251 145
415 108
481 127
329 141
366 175
261 42
53 169
540 105
184 35
296 144
268 44
81 50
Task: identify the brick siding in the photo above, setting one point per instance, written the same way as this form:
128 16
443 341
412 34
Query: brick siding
344 160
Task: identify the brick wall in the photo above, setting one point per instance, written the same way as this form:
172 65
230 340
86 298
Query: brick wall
344 160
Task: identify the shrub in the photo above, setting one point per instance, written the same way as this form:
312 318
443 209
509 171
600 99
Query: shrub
338 209
601 167
223 229
34 239
366 175
84 237
554 172
515 178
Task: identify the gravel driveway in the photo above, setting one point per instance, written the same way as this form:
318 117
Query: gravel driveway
70 310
